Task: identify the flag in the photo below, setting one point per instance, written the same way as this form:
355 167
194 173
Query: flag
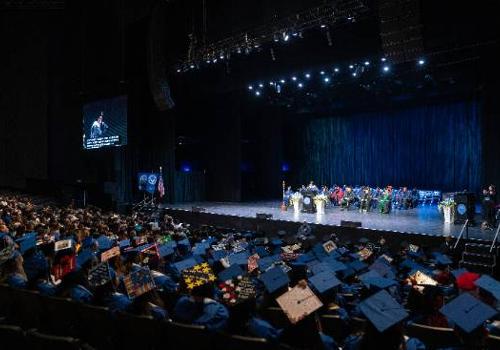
161 187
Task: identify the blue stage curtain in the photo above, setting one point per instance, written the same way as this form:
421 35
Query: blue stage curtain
189 187
429 147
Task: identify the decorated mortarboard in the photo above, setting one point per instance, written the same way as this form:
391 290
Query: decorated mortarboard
124 243
184 264
237 290
239 246
140 240
458 272
165 250
26 242
63 245
422 279
110 253
198 276
239 258
231 272
414 250
99 275
490 285
382 310
442 259
324 282
357 265
139 282
329 246
364 253
274 279
145 247
104 243
291 248
467 312
84 257
298 303
253 262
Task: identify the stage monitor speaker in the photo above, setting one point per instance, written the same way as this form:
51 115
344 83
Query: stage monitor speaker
465 207
198 209
347 223
263 216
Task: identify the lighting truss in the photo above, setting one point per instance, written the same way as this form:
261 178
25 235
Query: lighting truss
325 16
32 4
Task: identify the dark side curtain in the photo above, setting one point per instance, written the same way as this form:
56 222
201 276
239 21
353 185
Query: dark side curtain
189 187
431 147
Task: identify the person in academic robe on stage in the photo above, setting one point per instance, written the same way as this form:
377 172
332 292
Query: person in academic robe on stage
287 196
312 187
365 200
348 198
385 201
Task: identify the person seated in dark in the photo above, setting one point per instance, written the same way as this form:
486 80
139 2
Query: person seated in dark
201 309
365 200
149 304
348 198
489 202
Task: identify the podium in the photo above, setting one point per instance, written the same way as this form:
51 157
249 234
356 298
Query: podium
308 202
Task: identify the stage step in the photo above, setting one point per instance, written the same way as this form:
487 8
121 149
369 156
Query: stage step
476 257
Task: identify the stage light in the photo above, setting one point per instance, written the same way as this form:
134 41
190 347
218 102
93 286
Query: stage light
383 59
322 72
300 85
276 38
271 83
208 61
191 66
282 81
308 75
238 50
261 85
250 87
336 70
326 80
178 70
367 63
257 93
215 60
386 69
294 78
286 36
354 74
323 26
421 62
221 56
351 66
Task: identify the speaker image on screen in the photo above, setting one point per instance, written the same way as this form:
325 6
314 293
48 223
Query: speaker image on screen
464 207
347 223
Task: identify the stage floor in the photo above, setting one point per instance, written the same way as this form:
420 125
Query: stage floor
424 219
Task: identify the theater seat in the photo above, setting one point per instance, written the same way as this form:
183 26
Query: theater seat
493 342
186 336
27 308
141 332
95 326
433 337
13 335
41 341
358 324
5 302
59 316
238 342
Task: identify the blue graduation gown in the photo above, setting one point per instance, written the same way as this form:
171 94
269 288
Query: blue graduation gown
210 313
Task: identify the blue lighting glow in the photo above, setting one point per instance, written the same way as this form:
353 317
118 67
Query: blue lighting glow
383 59
282 81
322 72
250 87
300 85
386 69
421 62
367 63
308 75
351 66
261 85
336 70
285 167
326 80
354 74
257 93
294 78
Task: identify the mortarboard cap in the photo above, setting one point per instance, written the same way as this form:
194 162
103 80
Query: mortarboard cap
201 248
298 303
382 310
383 269
165 250
239 258
124 243
218 254
277 242
458 272
490 285
321 267
467 312
99 275
268 261
379 282
27 242
198 275
357 265
262 251
324 282
274 279
84 257
442 259
230 273
184 264
104 243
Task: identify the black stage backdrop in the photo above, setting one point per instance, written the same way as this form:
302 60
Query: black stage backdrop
434 147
